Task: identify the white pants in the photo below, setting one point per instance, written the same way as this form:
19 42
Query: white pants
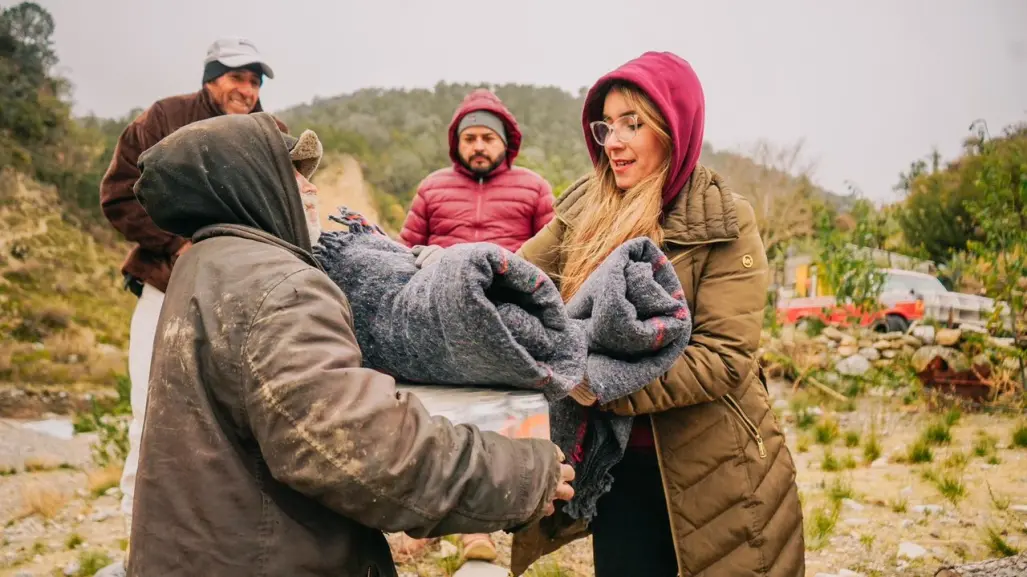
140 351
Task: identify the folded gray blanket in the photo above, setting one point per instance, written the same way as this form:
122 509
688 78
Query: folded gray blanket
480 316
638 323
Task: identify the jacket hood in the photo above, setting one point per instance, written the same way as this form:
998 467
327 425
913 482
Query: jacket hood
227 170
483 99
674 88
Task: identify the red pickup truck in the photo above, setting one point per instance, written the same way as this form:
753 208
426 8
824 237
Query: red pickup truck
906 296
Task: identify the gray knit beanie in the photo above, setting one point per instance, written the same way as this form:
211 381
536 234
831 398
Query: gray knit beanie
483 118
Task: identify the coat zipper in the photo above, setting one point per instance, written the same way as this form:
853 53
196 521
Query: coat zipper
477 209
747 422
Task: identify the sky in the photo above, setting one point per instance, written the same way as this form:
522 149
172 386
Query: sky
867 86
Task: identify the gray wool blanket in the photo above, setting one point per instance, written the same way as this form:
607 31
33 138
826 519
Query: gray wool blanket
479 316
637 323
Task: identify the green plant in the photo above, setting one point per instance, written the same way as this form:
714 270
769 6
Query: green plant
997 544
839 490
820 526
984 444
830 464
872 447
951 487
920 452
92 561
1020 436
852 439
826 432
938 433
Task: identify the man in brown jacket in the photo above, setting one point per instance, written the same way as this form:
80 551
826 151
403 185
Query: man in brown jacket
267 448
232 77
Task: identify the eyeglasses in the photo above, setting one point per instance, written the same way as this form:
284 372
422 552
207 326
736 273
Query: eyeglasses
625 128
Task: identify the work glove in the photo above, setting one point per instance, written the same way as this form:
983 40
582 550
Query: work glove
426 255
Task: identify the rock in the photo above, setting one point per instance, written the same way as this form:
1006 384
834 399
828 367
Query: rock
1013 566
847 573
879 463
72 568
882 345
911 341
870 354
948 337
923 333
853 505
973 328
1002 342
100 516
113 492
112 570
1019 508
890 354
981 360
848 340
833 333
955 360
855 365
911 550
847 350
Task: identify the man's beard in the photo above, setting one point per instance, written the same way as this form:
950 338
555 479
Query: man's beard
313 216
483 171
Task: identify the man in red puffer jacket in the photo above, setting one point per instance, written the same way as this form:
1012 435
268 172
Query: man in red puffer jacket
483 197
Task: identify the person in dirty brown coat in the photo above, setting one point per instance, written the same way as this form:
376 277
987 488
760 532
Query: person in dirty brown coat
233 75
266 448
707 486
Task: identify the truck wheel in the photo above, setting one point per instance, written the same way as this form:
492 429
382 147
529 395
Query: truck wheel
896 324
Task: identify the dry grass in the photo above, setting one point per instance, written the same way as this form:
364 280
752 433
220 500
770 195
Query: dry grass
38 499
99 481
42 463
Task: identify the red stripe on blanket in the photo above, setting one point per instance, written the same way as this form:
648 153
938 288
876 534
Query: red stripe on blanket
661 330
660 262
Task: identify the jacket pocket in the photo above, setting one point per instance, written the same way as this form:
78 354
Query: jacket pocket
746 422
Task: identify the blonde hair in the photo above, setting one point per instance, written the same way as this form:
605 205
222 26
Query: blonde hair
614 216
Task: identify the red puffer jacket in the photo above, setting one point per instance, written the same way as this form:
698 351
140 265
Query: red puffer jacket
506 207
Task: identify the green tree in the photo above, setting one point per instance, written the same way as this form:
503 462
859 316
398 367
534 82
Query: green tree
934 218
841 254
1000 211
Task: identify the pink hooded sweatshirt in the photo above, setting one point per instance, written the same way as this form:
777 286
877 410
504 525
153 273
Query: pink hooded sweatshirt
672 85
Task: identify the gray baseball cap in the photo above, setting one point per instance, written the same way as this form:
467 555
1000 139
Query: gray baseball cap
236 53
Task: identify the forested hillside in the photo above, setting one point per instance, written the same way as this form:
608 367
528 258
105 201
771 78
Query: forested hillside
400 137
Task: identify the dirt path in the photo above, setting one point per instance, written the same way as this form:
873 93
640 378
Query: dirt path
341 183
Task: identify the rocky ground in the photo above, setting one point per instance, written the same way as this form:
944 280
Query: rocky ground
889 487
